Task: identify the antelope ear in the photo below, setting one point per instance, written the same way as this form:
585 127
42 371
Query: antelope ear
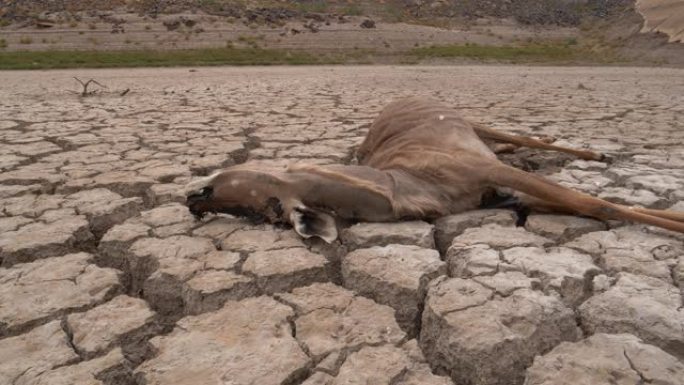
309 222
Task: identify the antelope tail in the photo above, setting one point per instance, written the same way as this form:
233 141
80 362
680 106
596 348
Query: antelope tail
546 190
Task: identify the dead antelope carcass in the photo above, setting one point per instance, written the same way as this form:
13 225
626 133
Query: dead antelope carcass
420 160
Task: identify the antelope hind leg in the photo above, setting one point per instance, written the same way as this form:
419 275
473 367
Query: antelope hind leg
543 189
667 214
536 205
524 141
503 148
540 205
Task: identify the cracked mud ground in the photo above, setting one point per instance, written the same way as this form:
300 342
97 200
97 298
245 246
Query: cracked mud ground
107 279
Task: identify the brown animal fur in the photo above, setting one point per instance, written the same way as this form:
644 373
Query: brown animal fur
419 160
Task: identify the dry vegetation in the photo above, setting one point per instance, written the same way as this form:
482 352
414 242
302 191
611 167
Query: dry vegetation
48 34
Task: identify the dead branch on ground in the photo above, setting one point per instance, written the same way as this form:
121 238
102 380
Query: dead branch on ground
86 84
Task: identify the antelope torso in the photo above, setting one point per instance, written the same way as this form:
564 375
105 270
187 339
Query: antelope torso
432 152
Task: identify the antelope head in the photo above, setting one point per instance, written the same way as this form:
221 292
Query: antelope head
240 192
308 197
260 196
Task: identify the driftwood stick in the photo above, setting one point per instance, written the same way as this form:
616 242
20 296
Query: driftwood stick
86 84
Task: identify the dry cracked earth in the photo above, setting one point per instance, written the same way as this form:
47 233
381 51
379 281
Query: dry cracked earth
107 279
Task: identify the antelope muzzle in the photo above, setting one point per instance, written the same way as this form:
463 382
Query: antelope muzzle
201 202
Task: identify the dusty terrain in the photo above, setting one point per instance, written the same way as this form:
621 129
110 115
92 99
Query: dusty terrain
106 277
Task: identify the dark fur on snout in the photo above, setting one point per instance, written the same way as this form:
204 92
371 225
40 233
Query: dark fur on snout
197 202
203 202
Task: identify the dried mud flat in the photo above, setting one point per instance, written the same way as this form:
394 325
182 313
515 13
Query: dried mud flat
106 278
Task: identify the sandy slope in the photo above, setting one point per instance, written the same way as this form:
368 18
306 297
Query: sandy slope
666 16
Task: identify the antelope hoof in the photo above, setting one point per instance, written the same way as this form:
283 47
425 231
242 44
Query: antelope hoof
197 202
